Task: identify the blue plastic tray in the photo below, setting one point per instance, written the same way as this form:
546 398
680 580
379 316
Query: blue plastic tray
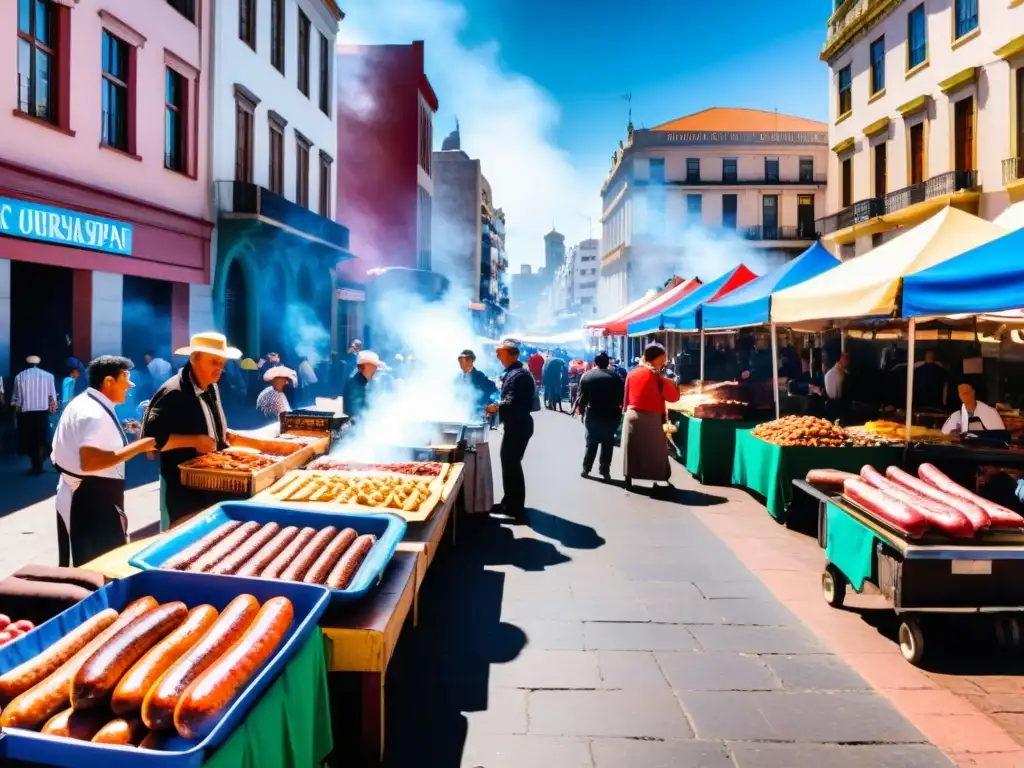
309 601
388 528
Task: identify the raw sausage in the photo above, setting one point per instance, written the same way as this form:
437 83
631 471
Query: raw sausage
888 509
223 548
348 566
1000 516
289 553
100 673
130 692
42 701
338 546
305 559
36 669
72 724
162 698
947 519
191 553
255 565
247 549
213 691
979 517
125 731
828 477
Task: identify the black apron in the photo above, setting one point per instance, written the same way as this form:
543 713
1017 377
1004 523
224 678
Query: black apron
97 518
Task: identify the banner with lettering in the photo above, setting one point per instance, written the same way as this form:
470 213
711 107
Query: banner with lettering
59 226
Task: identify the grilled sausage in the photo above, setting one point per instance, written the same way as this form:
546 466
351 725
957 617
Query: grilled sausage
289 553
162 698
886 508
338 546
121 730
223 548
72 724
155 740
979 517
38 668
829 478
246 549
131 691
950 521
100 673
191 553
213 691
42 701
266 554
1000 516
348 566
305 559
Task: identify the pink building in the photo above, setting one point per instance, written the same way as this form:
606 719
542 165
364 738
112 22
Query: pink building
104 178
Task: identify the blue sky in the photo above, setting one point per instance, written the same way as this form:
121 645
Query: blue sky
538 84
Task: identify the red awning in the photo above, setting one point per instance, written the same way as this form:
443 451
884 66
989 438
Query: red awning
600 325
665 299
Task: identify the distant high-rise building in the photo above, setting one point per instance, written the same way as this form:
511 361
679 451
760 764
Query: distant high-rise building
554 251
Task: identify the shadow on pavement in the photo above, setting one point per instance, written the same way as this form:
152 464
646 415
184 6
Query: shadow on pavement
570 534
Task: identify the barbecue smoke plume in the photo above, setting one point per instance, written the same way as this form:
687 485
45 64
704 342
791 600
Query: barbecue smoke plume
305 335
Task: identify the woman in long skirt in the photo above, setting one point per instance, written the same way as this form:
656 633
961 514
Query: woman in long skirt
644 446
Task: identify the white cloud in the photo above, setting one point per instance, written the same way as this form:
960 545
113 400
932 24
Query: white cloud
506 120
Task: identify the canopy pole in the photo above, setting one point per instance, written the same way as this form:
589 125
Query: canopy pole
700 386
911 340
775 369
842 340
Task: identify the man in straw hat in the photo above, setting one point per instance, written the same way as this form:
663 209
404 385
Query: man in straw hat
185 418
272 400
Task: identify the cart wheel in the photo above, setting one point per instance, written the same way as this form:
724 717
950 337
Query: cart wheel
833 586
911 641
1008 632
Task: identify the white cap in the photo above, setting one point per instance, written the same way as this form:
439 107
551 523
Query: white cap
33 360
281 372
366 357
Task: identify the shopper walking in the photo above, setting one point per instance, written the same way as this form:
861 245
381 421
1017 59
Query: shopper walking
644 447
515 409
601 393
34 398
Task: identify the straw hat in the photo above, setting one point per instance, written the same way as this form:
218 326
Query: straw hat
33 360
210 343
281 372
248 365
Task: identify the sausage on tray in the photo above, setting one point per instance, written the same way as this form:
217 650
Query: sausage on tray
305 559
38 668
223 548
266 554
76 724
42 701
246 549
979 517
289 553
886 508
348 566
338 546
155 740
191 553
126 731
1000 516
131 691
163 697
947 519
831 478
100 673
213 691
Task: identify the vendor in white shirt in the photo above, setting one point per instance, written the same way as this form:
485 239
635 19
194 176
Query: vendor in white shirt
89 450
973 416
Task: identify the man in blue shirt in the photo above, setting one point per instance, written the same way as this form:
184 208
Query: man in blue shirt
515 408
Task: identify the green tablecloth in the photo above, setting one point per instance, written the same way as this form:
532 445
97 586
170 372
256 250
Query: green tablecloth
769 470
290 726
849 545
710 444
678 439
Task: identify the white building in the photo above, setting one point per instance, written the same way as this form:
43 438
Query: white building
274 141
585 260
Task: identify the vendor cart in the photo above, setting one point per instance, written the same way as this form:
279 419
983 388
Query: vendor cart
921 578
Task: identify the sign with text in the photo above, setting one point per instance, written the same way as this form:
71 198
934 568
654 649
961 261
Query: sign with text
740 137
59 226
349 294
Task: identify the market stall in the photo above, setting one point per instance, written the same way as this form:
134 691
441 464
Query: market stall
707 419
682 314
652 308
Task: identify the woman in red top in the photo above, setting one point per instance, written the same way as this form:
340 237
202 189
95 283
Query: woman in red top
644 447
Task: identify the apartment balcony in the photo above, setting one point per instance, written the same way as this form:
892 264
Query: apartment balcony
937 187
850 18
760 233
858 213
1013 172
816 180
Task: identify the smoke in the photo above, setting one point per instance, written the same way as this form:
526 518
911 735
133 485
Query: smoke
146 327
305 335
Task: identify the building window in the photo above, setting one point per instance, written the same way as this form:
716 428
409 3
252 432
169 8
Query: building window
917 37
771 169
692 170
694 209
115 92
805 217
729 169
175 134
729 211
325 185
304 53
917 153
247 22
845 91
657 170
966 16
847 181
770 217
807 169
878 66
881 170
277 34
276 156
186 8
302 145
245 113
36 59
325 75
963 134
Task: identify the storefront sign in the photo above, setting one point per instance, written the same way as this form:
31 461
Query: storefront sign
33 221
743 137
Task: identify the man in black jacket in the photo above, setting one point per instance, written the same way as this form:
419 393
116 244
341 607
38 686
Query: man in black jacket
515 409
601 395
476 381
